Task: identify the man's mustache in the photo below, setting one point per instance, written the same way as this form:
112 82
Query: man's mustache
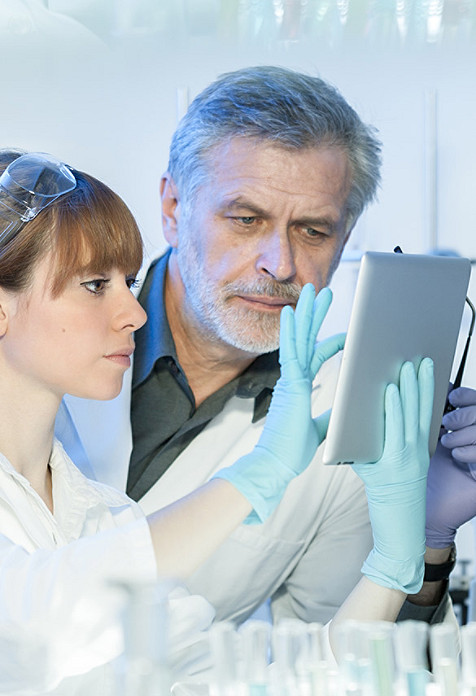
269 288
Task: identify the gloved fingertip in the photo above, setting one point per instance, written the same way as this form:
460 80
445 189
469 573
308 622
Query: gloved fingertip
427 364
340 340
325 294
323 301
444 440
287 311
322 424
308 290
391 394
407 368
462 396
464 455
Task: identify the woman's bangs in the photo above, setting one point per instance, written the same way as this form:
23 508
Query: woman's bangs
97 236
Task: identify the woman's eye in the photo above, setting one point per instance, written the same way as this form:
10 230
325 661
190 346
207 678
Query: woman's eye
96 286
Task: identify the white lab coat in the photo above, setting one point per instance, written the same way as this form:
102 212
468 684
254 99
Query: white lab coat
307 556
59 613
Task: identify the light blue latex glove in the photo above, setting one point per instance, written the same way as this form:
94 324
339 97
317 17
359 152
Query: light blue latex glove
396 483
290 436
451 492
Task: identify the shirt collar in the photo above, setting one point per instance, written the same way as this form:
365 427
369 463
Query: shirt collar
154 340
258 382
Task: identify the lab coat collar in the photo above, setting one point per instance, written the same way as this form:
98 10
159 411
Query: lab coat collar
75 498
73 494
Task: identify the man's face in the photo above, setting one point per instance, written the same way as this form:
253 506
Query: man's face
266 222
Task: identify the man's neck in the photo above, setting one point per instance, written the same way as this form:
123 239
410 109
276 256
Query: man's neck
208 365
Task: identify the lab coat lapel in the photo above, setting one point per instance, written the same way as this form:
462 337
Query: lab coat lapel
227 437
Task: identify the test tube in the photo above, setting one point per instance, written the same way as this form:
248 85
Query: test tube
318 668
224 649
381 654
255 641
352 652
411 644
144 667
444 649
468 638
289 643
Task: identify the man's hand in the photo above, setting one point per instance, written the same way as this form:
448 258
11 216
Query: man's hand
462 422
451 492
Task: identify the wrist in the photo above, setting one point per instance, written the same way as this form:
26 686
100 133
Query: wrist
439 563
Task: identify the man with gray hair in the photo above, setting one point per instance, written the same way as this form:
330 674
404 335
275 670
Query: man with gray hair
269 171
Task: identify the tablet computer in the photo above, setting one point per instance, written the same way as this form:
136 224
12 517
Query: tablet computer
406 307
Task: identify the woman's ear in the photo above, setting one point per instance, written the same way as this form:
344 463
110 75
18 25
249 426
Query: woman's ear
4 313
170 205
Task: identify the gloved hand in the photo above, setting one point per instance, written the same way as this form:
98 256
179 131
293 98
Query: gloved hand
451 493
290 436
396 483
462 422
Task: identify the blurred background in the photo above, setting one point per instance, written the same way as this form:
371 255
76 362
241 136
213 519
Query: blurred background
102 83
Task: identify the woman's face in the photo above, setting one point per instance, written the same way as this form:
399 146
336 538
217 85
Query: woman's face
78 343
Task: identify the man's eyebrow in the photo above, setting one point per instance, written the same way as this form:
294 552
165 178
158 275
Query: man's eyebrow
240 203
244 204
319 221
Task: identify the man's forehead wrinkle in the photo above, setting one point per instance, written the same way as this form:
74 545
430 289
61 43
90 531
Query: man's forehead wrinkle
312 212
255 198
233 184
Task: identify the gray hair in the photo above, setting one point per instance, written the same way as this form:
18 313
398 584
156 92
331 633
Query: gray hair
281 106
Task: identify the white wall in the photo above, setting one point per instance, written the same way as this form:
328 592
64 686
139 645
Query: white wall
102 94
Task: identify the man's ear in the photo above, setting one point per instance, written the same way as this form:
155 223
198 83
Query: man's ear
170 204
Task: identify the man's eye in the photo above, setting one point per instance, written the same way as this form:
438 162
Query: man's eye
313 234
132 282
95 286
246 220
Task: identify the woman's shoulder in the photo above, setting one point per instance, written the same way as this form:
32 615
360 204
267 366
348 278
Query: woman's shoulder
62 464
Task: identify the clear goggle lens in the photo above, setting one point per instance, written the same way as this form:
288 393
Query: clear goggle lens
29 184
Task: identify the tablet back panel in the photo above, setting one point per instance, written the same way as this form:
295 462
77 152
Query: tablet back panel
405 307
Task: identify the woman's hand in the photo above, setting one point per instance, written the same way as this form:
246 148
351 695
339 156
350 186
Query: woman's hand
290 436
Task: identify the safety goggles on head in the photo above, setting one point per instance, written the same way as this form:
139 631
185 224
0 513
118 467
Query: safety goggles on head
27 186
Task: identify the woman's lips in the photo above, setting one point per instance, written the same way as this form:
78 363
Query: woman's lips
121 357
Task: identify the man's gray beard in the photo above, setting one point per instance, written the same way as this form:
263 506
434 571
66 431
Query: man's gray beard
249 330
245 329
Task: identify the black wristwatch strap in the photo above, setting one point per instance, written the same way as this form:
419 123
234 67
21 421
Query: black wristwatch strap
440 571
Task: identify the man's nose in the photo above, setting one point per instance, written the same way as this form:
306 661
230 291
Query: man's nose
276 257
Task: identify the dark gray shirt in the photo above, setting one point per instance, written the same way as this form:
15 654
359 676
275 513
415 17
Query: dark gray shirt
164 416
